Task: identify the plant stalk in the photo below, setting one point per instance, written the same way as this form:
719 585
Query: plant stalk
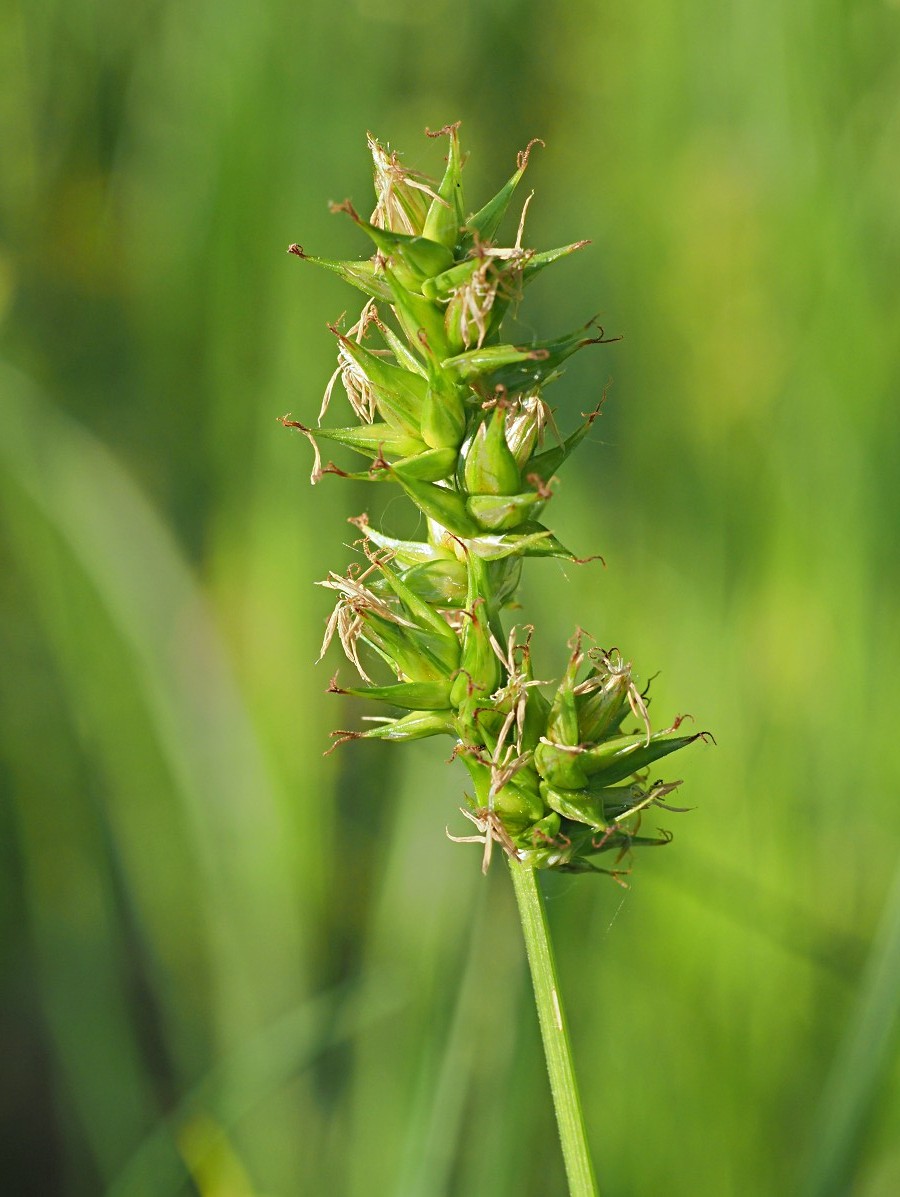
554 1031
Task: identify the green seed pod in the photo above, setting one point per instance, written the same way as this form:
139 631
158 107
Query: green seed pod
405 552
525 420
504 575
447 507
432 465
479 670
544 831
476 306
537 708
456 324
404 356
414 696
541 362
502 513
562 721
443 641
564 848
578 805
616 759
414 640
478 676
484 224
409 652
559 766
532 540
399 394
441 583
620 802
519 808
373 439
602 709
443 415
490 468
483 295
421 320
535 263
478 364
417 725
446 212
414 258
365 276
443 285
538 541
402 195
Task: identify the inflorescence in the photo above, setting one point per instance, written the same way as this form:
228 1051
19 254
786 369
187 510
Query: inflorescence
456 417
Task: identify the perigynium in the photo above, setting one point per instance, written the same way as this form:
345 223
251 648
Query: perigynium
455 416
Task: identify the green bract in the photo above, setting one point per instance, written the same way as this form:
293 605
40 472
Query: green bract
454 415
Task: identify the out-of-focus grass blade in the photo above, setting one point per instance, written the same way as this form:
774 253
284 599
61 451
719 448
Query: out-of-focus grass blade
190 695
247 933
462 1109
868 1047
248 1076
75 944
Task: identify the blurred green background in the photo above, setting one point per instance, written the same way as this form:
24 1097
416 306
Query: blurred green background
233 967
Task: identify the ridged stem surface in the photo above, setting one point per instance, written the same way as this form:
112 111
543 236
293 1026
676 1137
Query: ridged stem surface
554 1031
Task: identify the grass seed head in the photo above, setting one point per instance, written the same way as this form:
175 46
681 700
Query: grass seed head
456 418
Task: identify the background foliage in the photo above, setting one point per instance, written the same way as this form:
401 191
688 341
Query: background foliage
234 967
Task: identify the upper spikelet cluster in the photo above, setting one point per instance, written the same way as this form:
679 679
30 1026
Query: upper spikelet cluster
456 417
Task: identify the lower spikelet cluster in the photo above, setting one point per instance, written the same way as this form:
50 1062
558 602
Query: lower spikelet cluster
455 416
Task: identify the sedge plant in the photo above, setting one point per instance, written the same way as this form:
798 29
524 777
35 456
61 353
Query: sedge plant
455 416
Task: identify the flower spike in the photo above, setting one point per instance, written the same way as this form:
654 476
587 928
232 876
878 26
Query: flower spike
456 417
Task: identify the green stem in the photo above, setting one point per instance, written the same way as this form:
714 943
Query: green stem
554 1031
